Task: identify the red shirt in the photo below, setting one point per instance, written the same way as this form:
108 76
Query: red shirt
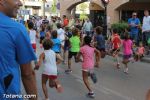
66 21
116 41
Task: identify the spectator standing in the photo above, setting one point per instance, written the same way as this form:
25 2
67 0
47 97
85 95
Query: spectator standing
146 27
16 53
134 24
88 27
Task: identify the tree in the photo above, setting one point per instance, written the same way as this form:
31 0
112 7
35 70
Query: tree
54 8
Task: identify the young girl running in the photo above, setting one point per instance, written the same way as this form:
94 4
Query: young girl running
127 51
87 52
140 52
116 43
48 58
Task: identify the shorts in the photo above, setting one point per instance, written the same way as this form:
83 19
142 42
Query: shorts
101 50
34 46
72 54
41 39
127 56
51 77
115 51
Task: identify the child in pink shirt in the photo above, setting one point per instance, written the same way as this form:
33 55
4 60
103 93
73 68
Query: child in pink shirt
140 51
87 52
127 51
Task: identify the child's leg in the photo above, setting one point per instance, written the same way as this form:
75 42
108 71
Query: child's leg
44 81
125 62
69 63
64 56
51 83
58 86
86 81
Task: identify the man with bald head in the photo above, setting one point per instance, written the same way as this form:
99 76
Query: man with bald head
16 54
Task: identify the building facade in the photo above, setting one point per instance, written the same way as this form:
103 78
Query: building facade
116 10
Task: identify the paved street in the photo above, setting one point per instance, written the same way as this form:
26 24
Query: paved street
112 84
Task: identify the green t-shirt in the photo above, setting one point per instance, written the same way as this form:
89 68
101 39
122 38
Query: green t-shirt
75 44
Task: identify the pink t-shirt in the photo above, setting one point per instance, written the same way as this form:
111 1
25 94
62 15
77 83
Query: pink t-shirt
88 57
141 50
127 47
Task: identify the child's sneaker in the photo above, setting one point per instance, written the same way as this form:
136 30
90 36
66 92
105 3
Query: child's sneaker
118 66
93 77
68 71
91 95
126 71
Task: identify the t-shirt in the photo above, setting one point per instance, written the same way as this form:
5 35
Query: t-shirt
141 50
75 44
42 34
57 45
61 35
116 41
66 22
88 57
134 21
100 41
32 34
15 49
49 63
127 47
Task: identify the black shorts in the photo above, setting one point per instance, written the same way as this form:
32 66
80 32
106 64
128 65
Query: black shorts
41 39
127 56
72 54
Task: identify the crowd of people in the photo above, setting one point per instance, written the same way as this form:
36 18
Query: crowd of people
82 41
59 38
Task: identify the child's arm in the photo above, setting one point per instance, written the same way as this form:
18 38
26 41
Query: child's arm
41 58
59 58
78 57
97 55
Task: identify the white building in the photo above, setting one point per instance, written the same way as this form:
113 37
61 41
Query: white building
38 7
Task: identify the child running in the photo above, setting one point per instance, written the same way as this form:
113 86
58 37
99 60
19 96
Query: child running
33 35
56 42
68 35
42 34
140 52
87 52
48 58
127 51
116 43
74 44
100 41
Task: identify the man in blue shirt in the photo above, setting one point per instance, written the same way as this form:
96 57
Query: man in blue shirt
134 24
16 54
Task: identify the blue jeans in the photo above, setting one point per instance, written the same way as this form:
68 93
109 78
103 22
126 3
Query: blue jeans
134 37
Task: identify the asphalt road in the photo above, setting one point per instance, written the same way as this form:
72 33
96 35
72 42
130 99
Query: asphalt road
112 84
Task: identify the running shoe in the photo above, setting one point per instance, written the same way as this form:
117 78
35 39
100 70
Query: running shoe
68 71
91 95
126 71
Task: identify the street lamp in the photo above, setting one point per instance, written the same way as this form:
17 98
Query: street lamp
105 3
